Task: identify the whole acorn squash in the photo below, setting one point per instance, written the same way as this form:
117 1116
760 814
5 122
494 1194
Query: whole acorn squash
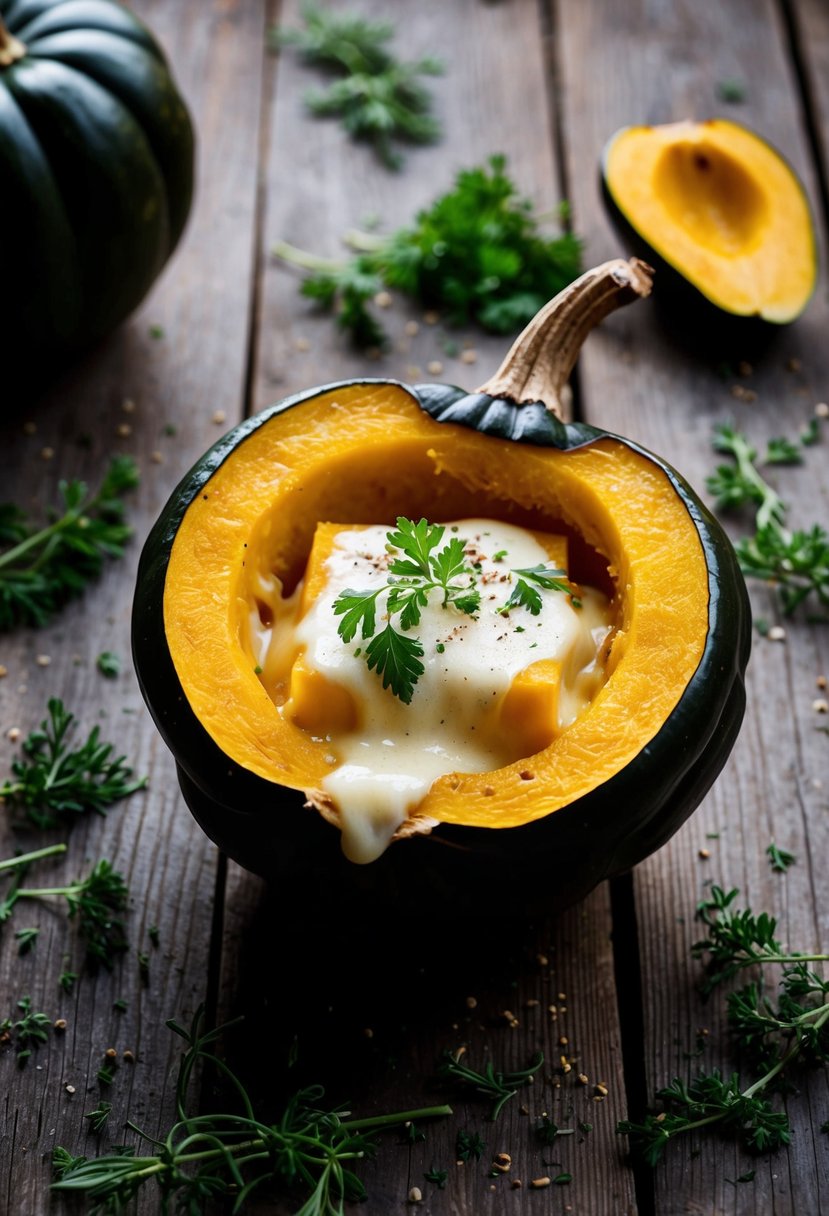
722 216
96 162
610 788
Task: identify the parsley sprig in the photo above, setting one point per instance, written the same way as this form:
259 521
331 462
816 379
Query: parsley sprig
378 97
476 254
52 781
526 595
230 1155
422 569
796 562
770 1035
44 567
29 1030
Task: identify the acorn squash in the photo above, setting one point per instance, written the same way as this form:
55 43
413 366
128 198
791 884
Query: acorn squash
719 212
96 160
609 788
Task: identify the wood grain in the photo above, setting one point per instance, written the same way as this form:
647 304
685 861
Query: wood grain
330 983
639 379
174 382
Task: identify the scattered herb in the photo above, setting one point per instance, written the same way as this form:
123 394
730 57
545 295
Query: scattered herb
156 332
797 563
143 966
106 1074
475 254
99 1116
413 1134
770 1037
495 1085
119 1005
438 1177
44 567
232 1154
26 939
562 1179
748 1176
30 1030
469 1146
154 934
109 664
377 97
50 780
779 859
547 1132
93 901
67 980
732 90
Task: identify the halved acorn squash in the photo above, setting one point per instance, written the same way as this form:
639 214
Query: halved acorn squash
721 208
609 788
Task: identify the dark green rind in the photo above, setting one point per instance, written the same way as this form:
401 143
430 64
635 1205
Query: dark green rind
547 864
96 154
690 314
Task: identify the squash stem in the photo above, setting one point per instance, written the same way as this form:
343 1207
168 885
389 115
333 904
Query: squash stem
11 48
543 356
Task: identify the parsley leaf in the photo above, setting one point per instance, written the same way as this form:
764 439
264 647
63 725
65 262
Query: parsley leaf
475 254
417 568
524 595
396 658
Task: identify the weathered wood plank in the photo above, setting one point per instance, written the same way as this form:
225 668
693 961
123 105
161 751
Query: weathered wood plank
330 983
176 381
657 63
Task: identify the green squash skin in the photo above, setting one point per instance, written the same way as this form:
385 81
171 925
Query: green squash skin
97 161
548 864
691 317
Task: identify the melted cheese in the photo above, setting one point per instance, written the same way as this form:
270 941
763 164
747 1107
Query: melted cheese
496 686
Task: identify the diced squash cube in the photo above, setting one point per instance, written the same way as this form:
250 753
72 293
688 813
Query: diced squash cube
529 711
317 704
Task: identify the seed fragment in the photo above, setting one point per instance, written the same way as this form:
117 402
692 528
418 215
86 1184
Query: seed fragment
59 1023
538 1183
415 1195
820 706
776 634
704 854
434 367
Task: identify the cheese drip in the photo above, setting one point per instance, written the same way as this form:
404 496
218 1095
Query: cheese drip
496 686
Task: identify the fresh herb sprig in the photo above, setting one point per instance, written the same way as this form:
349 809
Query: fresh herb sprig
796 562
94 902
771 1036
475 254
44 567
29 1030
52 781
424 567
492 1083
209 1156
378 97
525 593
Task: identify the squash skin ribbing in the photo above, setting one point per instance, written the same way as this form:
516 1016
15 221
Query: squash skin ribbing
554 860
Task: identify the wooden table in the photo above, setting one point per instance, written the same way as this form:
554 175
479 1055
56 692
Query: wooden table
546 83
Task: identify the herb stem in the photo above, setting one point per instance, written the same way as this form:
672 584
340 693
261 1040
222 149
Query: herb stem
305 260
13 863
403 1116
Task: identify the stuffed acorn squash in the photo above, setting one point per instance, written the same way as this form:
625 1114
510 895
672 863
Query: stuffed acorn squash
247 535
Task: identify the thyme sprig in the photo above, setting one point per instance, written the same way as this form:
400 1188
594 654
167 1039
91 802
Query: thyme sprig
492 1083
44 567
772 1036
796 562
202 1157
52 781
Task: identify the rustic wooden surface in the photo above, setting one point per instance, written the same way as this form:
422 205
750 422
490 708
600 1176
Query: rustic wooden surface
547 83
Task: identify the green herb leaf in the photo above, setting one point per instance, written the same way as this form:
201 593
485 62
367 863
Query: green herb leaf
495 1085
378 98
396 659
51 781
109 664
780 860
475 254
44 567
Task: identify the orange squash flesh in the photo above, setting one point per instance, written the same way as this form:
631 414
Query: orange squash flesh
366 453
723 208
